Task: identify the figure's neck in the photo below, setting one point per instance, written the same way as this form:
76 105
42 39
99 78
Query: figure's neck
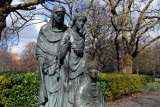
92 80
75 29
59 25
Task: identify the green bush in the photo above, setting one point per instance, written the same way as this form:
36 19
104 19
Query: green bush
24 90
147 79
5 85
116 85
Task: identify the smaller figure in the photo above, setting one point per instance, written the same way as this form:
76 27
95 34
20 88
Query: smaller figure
89 92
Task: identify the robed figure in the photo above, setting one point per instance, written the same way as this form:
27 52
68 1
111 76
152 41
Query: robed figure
72 58
48 42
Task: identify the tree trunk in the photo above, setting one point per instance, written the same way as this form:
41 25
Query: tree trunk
2 24
119 53
128 60
3 14
137 71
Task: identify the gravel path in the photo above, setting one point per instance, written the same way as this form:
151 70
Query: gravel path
150 100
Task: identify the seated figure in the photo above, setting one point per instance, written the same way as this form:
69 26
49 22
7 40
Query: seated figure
89 92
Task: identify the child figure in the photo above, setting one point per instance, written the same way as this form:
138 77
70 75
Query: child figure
89 92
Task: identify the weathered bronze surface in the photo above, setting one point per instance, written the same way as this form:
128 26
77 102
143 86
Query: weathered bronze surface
62 60
47 48
72 59
89 92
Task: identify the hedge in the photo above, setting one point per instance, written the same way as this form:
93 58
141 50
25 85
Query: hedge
5 85
20 90
116 85
23 90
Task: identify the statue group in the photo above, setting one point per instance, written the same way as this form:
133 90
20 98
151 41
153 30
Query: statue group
65 81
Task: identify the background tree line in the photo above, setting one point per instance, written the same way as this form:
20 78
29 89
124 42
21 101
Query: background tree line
118 33
147 60
24 62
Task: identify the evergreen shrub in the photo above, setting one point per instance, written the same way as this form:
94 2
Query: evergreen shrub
5 85
24 91
116 85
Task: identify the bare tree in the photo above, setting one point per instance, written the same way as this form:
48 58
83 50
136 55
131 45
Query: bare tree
72 6
29 58
6 9
99 37
133 22
5 59
148 59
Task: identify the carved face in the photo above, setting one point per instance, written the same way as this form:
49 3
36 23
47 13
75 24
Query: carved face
59 16
93 72
80 21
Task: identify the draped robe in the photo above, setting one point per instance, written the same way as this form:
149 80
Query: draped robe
47 46
73 65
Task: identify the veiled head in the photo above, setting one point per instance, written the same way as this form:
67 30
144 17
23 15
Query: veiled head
57 15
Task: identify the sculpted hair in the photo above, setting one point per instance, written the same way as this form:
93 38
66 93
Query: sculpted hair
90 65
72 23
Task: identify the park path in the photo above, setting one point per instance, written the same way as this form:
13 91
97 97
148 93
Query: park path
150 100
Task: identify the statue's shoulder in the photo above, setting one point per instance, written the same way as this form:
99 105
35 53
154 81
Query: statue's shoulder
44 28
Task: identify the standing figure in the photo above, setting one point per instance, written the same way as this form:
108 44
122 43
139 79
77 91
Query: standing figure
72 58
48 42
89 92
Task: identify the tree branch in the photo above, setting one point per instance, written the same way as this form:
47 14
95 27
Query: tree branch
144 31
46 8
94 27
125 17
89 6
139 21
144 46
26 5
70 9
21 16
87 12
151 17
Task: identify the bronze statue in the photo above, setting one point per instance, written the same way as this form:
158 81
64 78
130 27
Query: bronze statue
62 61
89 92
72 58
47 48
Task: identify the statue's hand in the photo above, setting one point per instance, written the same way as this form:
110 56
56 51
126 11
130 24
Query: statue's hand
67 39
